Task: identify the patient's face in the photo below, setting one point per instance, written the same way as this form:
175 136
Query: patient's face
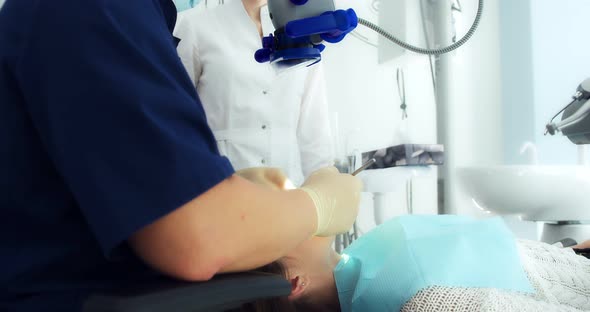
313 255
310 269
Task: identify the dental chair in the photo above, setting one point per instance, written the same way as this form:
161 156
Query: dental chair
222 293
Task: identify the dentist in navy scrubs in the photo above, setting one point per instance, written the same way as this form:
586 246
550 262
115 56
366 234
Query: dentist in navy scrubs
109 174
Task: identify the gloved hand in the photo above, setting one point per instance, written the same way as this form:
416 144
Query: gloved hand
273 178
336 197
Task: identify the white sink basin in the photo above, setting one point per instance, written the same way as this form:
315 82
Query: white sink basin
537 193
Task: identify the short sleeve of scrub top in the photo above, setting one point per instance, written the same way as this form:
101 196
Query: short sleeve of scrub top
117 113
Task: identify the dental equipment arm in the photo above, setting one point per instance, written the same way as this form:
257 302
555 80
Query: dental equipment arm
366 165
575 121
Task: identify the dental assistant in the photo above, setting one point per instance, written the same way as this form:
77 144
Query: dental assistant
258 117
109 174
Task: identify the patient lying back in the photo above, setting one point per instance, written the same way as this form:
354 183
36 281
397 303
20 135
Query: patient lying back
438 263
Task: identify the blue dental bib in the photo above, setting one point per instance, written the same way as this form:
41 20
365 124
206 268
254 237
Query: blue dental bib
387 266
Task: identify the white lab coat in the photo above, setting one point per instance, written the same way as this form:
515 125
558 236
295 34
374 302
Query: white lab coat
258 118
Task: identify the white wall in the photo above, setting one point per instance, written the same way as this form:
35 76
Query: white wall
544 58
561 60
517 86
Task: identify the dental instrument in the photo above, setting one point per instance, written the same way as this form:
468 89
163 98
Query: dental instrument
366 165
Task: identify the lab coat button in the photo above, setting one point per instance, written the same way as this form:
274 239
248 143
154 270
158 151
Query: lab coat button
265 92
263 161
263 127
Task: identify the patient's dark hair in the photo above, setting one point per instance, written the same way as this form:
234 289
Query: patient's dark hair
279 304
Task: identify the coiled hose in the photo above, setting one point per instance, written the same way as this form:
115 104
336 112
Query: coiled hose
419 50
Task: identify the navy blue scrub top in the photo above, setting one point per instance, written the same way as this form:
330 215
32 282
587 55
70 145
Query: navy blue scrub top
101 133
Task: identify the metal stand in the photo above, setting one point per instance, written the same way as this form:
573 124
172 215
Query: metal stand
443 27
